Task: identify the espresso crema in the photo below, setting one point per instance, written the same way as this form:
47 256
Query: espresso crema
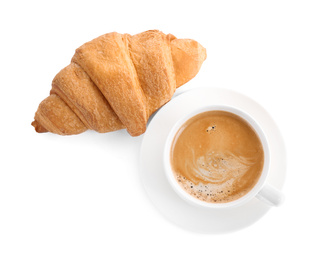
217 157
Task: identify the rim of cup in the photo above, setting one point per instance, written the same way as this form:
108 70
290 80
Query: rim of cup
189 198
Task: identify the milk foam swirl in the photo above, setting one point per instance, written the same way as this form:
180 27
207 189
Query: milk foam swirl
214 176
218 167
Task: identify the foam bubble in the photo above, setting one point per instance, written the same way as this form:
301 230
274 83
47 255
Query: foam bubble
210 192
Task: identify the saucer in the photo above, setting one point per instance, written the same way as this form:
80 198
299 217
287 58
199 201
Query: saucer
165 199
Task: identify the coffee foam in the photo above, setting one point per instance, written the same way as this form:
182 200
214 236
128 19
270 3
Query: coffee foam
210 192
217 157
215 176
218 167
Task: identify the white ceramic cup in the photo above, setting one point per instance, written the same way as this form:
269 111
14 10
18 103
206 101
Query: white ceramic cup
262 190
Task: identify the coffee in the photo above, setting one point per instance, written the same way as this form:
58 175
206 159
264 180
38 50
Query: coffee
217 157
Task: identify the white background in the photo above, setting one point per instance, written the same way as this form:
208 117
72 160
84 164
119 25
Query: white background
81 197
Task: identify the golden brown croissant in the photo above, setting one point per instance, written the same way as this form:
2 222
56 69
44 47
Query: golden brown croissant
117 81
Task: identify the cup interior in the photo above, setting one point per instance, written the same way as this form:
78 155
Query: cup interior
187 197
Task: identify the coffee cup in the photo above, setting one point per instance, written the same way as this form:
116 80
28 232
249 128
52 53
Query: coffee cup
218 157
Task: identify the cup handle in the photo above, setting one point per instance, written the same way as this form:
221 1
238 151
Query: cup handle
270 195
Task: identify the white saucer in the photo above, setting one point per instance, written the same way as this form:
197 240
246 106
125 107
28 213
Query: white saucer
159 190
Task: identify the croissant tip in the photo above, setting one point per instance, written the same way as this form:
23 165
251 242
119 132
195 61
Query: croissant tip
39 128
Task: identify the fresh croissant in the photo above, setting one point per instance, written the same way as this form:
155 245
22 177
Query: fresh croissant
117 81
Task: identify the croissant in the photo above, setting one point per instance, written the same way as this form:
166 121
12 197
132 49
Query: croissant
117 81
